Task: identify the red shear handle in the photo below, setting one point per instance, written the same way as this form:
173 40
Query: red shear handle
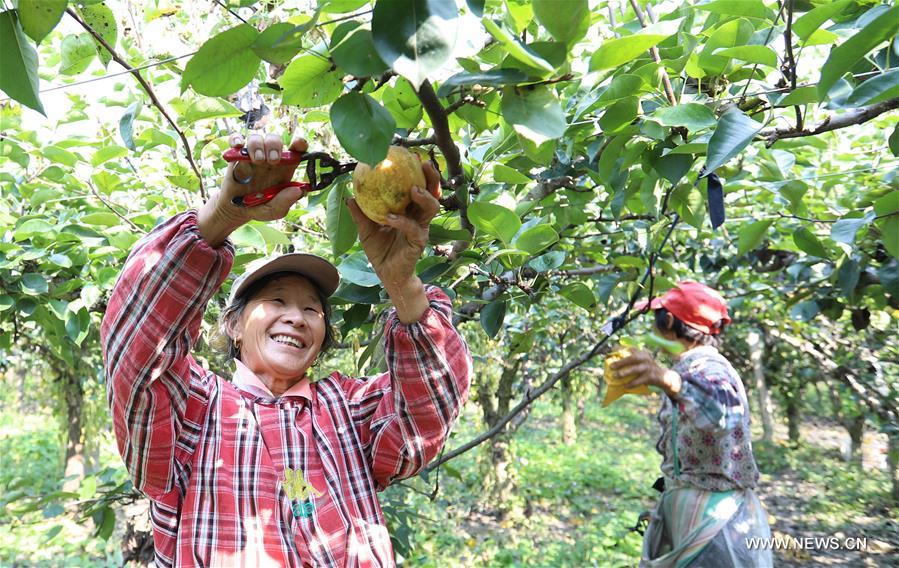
242 155
267 194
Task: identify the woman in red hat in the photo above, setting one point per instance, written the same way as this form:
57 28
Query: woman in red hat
708 512
272 468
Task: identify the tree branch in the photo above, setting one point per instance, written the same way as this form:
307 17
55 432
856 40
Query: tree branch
789 66
410 142
654 52
858 116
111 208
586 270
148 89
447 146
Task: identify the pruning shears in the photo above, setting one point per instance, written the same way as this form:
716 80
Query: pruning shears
315 162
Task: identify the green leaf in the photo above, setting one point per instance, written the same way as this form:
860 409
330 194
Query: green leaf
52 533
495 220
107 153
224 63
693 116
621 87
894 141
734 132
126 124
809 243
847 277
616 52
492 78
535 113
875 90
889 228
102 219
32 227
760 54
845 229
340 6
18 60
34 284
567 22
339 225
733 33
363 127
515 48
277 43
208 107
748 8
60 156
309 82
356 54
77 53
805 311
619 115
505 174
549 261
492 316
39 17
843 57
537 238
888 274
271 235
356 269
580 294
811 21
102 20
800 96
415 37
6 302
751 235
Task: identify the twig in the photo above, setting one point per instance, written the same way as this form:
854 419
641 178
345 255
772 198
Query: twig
232 12
654 52
789 66
111 208
410 142
586 271
148 89
465 100
858 116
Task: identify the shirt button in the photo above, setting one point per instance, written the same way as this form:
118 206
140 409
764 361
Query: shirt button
341 430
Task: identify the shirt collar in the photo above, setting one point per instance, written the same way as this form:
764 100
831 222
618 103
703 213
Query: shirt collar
246 380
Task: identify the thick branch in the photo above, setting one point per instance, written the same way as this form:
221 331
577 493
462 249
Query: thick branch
654 52
149 90
789 66
439 122
851 118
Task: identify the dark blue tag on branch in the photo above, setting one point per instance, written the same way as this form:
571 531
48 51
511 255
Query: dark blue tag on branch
715 199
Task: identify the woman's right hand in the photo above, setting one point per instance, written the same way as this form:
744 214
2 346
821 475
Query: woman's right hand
219 217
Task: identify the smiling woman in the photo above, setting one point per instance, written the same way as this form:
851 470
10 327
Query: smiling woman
270 468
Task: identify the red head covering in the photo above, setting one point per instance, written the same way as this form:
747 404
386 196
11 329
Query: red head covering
693 303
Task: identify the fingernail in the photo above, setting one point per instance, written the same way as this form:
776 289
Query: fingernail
391 216
274 155
419 190
259 155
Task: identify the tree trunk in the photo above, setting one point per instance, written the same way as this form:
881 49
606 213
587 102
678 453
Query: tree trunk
569 428
856 429
793 419
893 461
495 399
756 357
74 396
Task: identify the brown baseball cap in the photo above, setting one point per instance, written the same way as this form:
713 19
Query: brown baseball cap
318 270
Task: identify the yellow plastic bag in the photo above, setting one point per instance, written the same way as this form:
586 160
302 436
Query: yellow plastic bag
615 385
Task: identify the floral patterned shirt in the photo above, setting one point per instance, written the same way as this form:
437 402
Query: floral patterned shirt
714 446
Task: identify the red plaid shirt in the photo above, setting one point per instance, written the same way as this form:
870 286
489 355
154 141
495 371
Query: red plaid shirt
214 458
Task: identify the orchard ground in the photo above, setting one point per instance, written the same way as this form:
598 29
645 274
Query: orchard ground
574 506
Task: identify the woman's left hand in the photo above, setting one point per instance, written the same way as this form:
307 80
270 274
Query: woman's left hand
394 249
642 368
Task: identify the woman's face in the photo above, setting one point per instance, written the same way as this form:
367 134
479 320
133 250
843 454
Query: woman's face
281 329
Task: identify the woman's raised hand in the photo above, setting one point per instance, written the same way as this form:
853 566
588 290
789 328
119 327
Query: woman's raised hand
394 249
219 216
